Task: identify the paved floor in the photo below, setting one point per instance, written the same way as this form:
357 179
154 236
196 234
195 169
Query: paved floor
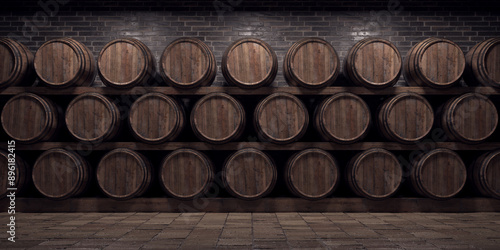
253 231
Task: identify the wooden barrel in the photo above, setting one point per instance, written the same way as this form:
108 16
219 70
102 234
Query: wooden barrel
249 63
405 118
470 118
374 174
342 118
434 62
484 174
438 174
218 118
92 117
249 174
126 63
373 63
482 63
186 174
188 63
16 66
156 118
29 118
14 173
65 62
281 118
311 63
124 174
312 174
61 174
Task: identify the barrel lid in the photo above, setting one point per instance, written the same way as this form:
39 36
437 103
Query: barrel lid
58 173
26 117
378 62
185 61
122 61
8 62
58 61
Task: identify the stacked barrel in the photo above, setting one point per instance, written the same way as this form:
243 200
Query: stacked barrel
277 119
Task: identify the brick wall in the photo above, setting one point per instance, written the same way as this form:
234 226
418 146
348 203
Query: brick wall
280 23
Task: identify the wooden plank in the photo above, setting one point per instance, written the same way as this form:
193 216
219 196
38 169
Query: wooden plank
259 91
232 146
393 205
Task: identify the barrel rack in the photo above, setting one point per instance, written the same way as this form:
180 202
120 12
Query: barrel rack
273 204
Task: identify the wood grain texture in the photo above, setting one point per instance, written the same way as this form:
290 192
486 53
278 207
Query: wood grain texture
484 174
249 174
470 118
61 174
373 63
16 64
188 63
29 118
343 118
156 118
92 117
434 62
374 174
249 63
186 174
218 118
125 63
296 146
311 63
312 174
281 118
124 174
438 174
21 170
482 63
405 118
263 91
65 62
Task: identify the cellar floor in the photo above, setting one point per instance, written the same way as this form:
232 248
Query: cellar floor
253 230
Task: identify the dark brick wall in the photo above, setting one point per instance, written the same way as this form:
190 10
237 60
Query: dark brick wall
280 23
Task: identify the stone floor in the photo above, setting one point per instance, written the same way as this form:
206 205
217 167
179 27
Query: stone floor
253 231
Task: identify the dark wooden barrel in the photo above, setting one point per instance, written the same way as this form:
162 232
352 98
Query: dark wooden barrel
434 62
124 174
92 117
156 118
484 174
16 66
405 118
218 118
281 118
249 63
249 174
311 63
342 118
22 173
61 174
373 63
126 63
312 174
470 118
482 63
29 118
65 62
374 174
186 174
188 63
438 174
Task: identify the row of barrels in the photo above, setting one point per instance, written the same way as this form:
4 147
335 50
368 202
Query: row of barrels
219 118
251 174
250 63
